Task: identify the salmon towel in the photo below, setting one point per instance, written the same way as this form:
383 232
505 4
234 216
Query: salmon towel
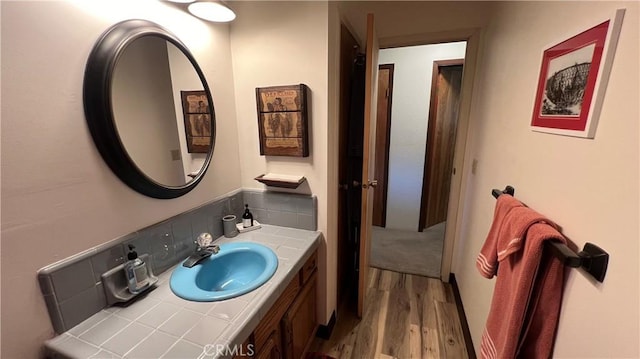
526 300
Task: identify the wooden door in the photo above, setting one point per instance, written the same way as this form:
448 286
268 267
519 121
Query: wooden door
441 137
368 159
383 132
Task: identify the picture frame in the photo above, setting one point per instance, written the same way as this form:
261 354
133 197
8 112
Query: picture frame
283 120
573 79
197 121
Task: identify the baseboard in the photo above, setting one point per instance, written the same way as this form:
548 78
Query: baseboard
463 318
324 331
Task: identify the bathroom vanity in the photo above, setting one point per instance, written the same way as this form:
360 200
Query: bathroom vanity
277 320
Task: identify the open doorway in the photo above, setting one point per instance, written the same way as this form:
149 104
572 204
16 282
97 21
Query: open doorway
418 99
441 131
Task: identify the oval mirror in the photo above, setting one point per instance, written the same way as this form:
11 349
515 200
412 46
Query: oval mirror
149 109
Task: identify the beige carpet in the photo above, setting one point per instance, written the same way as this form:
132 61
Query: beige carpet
408 252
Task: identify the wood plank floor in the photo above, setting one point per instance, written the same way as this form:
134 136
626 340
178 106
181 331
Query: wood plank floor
406 316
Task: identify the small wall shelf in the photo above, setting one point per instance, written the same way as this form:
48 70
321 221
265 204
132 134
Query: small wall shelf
277 180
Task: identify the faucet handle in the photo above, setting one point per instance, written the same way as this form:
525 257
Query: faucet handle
204 240
213 249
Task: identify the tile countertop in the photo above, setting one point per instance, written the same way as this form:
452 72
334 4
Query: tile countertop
162 325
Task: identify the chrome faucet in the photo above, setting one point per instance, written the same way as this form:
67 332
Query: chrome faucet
204 250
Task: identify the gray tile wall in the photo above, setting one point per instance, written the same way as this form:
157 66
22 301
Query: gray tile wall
282 209
73 290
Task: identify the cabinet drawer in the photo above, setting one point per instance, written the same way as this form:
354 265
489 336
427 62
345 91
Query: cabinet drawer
308 268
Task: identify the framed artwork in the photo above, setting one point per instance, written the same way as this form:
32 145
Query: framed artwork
197 121
573 80
283 120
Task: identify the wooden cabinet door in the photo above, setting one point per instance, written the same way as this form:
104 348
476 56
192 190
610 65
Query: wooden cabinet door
299 323
271 320
246 349
271 348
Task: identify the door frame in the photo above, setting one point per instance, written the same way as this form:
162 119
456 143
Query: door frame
431 129
462 153
345 262
387 134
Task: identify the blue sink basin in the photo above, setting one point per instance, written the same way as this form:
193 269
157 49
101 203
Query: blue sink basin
238 268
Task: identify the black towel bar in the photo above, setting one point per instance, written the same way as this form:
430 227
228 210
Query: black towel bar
592 258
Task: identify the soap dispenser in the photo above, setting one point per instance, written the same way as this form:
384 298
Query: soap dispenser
136 272
247 217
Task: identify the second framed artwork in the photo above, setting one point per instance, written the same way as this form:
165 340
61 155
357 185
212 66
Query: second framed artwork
283 120
197 121
573 79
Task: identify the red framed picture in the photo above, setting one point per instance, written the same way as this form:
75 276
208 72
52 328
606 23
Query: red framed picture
573 79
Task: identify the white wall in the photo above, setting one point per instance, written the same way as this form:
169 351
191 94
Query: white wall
285 43
589 187
412 75
144 111
58 196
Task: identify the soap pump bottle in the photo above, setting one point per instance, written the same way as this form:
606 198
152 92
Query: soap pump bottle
136 272
247 217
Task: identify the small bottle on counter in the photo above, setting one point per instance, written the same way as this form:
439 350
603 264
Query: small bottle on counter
247 217
136 272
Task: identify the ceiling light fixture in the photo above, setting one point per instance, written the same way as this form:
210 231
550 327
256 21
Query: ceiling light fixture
212 11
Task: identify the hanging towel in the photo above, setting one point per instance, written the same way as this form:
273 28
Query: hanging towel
526 300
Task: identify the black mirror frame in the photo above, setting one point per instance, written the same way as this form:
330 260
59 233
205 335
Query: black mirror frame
99 113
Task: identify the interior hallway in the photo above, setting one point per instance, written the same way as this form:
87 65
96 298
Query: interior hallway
406 316
410 252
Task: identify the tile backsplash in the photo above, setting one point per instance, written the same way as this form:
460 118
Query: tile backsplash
73 290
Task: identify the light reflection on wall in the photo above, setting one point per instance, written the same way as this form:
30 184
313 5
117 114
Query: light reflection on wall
193 32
